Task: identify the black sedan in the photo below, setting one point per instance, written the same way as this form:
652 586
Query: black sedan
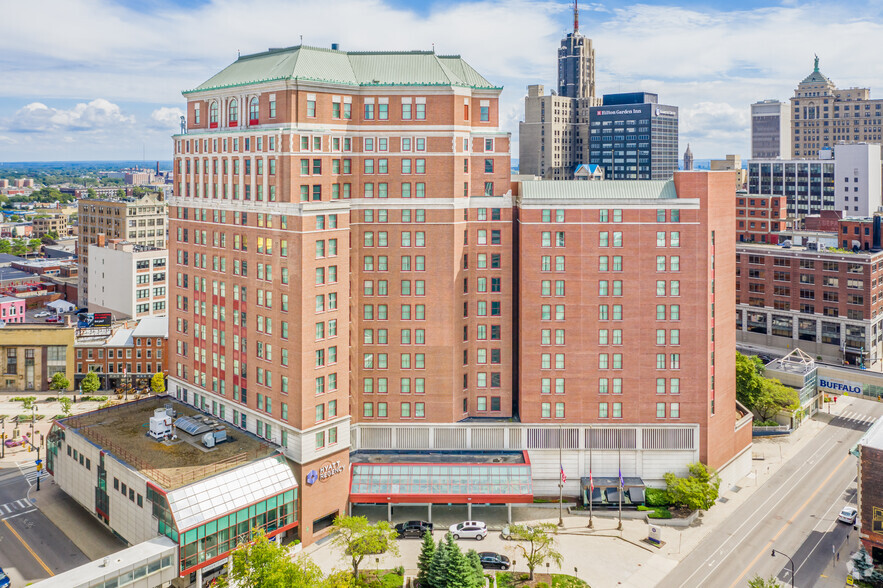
491 560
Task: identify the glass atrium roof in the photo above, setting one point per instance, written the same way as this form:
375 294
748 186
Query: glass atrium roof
230 491
427 483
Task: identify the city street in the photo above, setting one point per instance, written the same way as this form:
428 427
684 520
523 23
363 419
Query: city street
31 546
794 512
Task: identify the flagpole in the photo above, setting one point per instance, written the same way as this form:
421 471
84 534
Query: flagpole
591 481
619 528
560 482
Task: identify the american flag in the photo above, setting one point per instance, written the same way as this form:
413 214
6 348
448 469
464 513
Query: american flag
563 476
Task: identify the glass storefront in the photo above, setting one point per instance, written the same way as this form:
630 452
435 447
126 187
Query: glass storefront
219 536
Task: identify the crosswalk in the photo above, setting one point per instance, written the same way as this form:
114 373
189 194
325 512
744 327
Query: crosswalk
857 417
28 469
15 508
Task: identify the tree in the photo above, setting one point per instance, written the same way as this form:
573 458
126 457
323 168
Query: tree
266 564
774 397
697 491
28 403
90 384
477 570
862 561
424 560
536 545
758 582
121 193
5 246
59 382
438 568
358 538
749 378
158 383
92 193
459 570
66 405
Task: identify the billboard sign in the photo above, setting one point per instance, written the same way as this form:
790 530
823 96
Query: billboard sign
97 319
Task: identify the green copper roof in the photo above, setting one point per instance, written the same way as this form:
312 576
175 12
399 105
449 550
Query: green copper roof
375 68
598 190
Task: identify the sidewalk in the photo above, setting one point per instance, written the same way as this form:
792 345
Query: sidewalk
834 575
84 530
619 558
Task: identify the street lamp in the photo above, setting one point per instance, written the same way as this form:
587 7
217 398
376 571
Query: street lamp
774 553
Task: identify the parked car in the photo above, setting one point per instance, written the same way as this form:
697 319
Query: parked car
53 319
413 529
506 533
848 515
491 560
42 314
4 579
469 530
12 443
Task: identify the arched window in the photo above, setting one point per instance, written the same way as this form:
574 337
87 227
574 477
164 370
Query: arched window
213 115
253 111
234 113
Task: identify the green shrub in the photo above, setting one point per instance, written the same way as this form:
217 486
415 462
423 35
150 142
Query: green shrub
757 423
656 497
643 508
660 513
524 577
542 585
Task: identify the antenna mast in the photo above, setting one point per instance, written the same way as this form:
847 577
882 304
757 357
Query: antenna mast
575 16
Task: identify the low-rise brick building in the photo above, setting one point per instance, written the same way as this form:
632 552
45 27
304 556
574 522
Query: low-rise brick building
131 354
827 302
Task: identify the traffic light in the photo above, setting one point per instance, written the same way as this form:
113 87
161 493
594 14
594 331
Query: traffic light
42 441
39 463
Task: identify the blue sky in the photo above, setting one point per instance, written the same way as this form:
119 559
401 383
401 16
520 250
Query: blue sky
102 79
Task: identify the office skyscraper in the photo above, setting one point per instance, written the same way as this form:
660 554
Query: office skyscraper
633 137
576 63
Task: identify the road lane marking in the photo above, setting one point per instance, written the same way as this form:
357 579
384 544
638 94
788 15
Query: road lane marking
781 497
28 547
790 521
18 514
6 507
22 503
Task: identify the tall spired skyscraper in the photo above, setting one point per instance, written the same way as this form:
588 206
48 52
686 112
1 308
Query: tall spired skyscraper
576 63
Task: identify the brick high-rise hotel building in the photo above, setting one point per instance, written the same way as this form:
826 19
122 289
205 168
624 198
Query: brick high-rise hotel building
352 269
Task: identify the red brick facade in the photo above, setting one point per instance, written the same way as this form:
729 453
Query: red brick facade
758 217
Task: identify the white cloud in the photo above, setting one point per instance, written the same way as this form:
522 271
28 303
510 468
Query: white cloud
167 118
96 115
710 63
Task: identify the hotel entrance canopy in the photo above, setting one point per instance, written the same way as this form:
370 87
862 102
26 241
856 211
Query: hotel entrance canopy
440 477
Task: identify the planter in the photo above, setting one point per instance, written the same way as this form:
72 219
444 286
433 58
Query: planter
297 548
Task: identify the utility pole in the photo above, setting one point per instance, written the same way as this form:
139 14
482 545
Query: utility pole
3 438
775 553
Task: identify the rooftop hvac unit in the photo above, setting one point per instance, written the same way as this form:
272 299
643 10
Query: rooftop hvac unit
160 424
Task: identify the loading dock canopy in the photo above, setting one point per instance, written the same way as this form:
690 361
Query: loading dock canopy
456 477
